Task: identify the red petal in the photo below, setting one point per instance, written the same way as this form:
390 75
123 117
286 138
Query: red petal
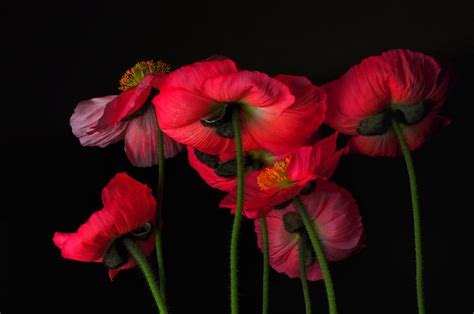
129 202
85 119
258 203
412 75
208 174
253 88
192 76
282 132
129 101
361 92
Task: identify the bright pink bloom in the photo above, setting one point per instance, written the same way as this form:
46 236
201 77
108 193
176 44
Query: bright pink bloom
129 207
129 116
335 214
399 84
287 177
277 114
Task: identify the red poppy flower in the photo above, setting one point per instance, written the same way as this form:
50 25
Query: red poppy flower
289 176
399 84
129 116
335 215
219 171
129 210
277 114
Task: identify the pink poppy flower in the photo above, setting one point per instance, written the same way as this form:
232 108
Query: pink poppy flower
129 210
289 176
399 84
336 217
277 114
128 116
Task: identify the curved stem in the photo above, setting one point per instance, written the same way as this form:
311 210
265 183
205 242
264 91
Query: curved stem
310 229
416 215
266 270
238 213
159 208
143 264
304 280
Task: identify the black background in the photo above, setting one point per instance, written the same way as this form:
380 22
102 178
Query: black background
60 54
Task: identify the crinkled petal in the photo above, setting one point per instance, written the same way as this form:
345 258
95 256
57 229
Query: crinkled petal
283 246
209 175
257 202
191 77
252 88
337 219
361 92
129 202
141 141
412 75
129 101
282 132
179 114
85 118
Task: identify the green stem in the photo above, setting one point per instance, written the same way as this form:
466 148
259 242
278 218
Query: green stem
310 229
304 280
416 215
143 264
266 270
238 214
159 208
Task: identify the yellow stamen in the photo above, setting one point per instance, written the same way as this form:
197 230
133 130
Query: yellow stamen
276 176
133 76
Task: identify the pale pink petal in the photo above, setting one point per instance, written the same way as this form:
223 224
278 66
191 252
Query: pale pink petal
85 118
141 140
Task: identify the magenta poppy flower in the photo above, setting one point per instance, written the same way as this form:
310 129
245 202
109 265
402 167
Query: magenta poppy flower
129 210
128 116
277 114
289 176
336 217
399 84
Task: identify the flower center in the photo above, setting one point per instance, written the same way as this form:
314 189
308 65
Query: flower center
276 176
133 76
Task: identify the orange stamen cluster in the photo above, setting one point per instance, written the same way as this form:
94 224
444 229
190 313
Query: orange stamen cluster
133 76
276 176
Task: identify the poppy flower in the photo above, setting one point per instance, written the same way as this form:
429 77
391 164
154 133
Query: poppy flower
129 210
220 171
289 176
277 114
336 218
399 84
128 116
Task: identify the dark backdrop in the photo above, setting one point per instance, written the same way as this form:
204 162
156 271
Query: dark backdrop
57 55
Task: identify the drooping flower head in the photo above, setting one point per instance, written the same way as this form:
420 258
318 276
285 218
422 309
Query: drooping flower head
129 211
288 176
277 114
399 84
129 116
335 216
